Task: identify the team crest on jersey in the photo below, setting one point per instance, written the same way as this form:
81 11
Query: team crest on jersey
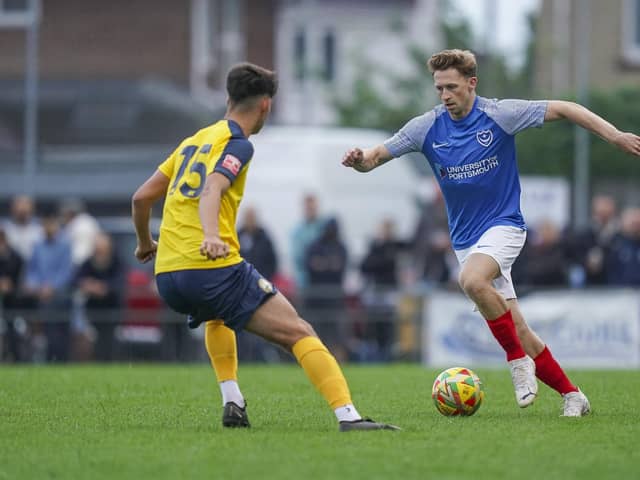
484 137
441 170
232 164
265 285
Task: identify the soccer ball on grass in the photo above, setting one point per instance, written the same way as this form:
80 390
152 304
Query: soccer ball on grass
457 391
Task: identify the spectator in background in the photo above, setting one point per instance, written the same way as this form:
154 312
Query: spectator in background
605 222
589 247
303 235
623 258
256 246
22 229
544 261
440 263
326 265
10 271
48 280
81 229
427 234
380 263
432 258
99 281
326 258
380 268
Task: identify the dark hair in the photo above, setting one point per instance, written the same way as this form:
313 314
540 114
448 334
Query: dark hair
247 80
463 61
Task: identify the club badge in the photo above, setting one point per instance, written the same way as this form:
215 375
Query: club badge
265 285
484 137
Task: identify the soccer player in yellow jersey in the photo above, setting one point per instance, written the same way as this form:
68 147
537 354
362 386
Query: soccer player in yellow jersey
199 270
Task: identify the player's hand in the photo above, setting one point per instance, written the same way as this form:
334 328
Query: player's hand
213 247
146 252
628 142
354 158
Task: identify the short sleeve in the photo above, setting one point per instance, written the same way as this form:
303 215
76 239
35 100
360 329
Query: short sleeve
236 154
410 138
513 115
167 167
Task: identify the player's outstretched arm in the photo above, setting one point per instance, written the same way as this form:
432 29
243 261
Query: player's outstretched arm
367 159
147 194
576 113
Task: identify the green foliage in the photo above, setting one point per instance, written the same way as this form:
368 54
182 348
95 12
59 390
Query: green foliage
546 151
550 150
409 95
365 106
456 30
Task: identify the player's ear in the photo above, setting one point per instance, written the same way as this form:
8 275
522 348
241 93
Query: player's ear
265 104
473 81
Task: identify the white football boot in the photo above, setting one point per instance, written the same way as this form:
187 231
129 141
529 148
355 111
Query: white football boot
576 404
523 375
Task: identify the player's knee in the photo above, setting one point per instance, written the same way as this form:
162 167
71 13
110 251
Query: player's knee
295 332
474 285
301 330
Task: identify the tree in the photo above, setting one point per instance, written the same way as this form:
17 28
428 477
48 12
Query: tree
549 151
366 106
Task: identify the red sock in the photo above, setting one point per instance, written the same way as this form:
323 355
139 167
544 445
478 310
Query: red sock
505 332
549 371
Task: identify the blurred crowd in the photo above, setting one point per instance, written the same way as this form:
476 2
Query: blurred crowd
604 254
54 265
62 268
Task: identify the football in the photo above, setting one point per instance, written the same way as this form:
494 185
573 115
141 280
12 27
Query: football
457 391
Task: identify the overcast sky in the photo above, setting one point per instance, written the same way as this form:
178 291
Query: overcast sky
511 28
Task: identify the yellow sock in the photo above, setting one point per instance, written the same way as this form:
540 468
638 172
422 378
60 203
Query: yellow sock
323 370
221 347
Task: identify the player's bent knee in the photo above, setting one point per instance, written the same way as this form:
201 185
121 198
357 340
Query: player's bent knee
297 332
285 333
474 285
306 329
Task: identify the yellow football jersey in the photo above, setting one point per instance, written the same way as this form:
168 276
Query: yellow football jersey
221 147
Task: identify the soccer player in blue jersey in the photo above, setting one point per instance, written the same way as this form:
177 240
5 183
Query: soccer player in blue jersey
469 143
199 270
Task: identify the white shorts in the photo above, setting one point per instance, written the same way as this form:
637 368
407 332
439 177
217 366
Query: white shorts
502 243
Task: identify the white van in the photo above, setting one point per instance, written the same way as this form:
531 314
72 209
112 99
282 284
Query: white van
289 162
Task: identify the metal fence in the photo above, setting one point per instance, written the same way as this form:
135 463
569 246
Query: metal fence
585 328
356 329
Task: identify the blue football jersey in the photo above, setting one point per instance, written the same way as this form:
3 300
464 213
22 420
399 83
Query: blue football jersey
474 160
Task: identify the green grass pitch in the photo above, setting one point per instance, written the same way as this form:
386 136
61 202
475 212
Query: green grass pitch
163 421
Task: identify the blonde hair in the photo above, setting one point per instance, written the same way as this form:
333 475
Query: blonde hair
463 61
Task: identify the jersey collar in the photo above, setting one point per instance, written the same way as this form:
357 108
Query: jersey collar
462 120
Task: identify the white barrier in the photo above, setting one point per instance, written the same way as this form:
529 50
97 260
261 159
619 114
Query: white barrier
584 329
